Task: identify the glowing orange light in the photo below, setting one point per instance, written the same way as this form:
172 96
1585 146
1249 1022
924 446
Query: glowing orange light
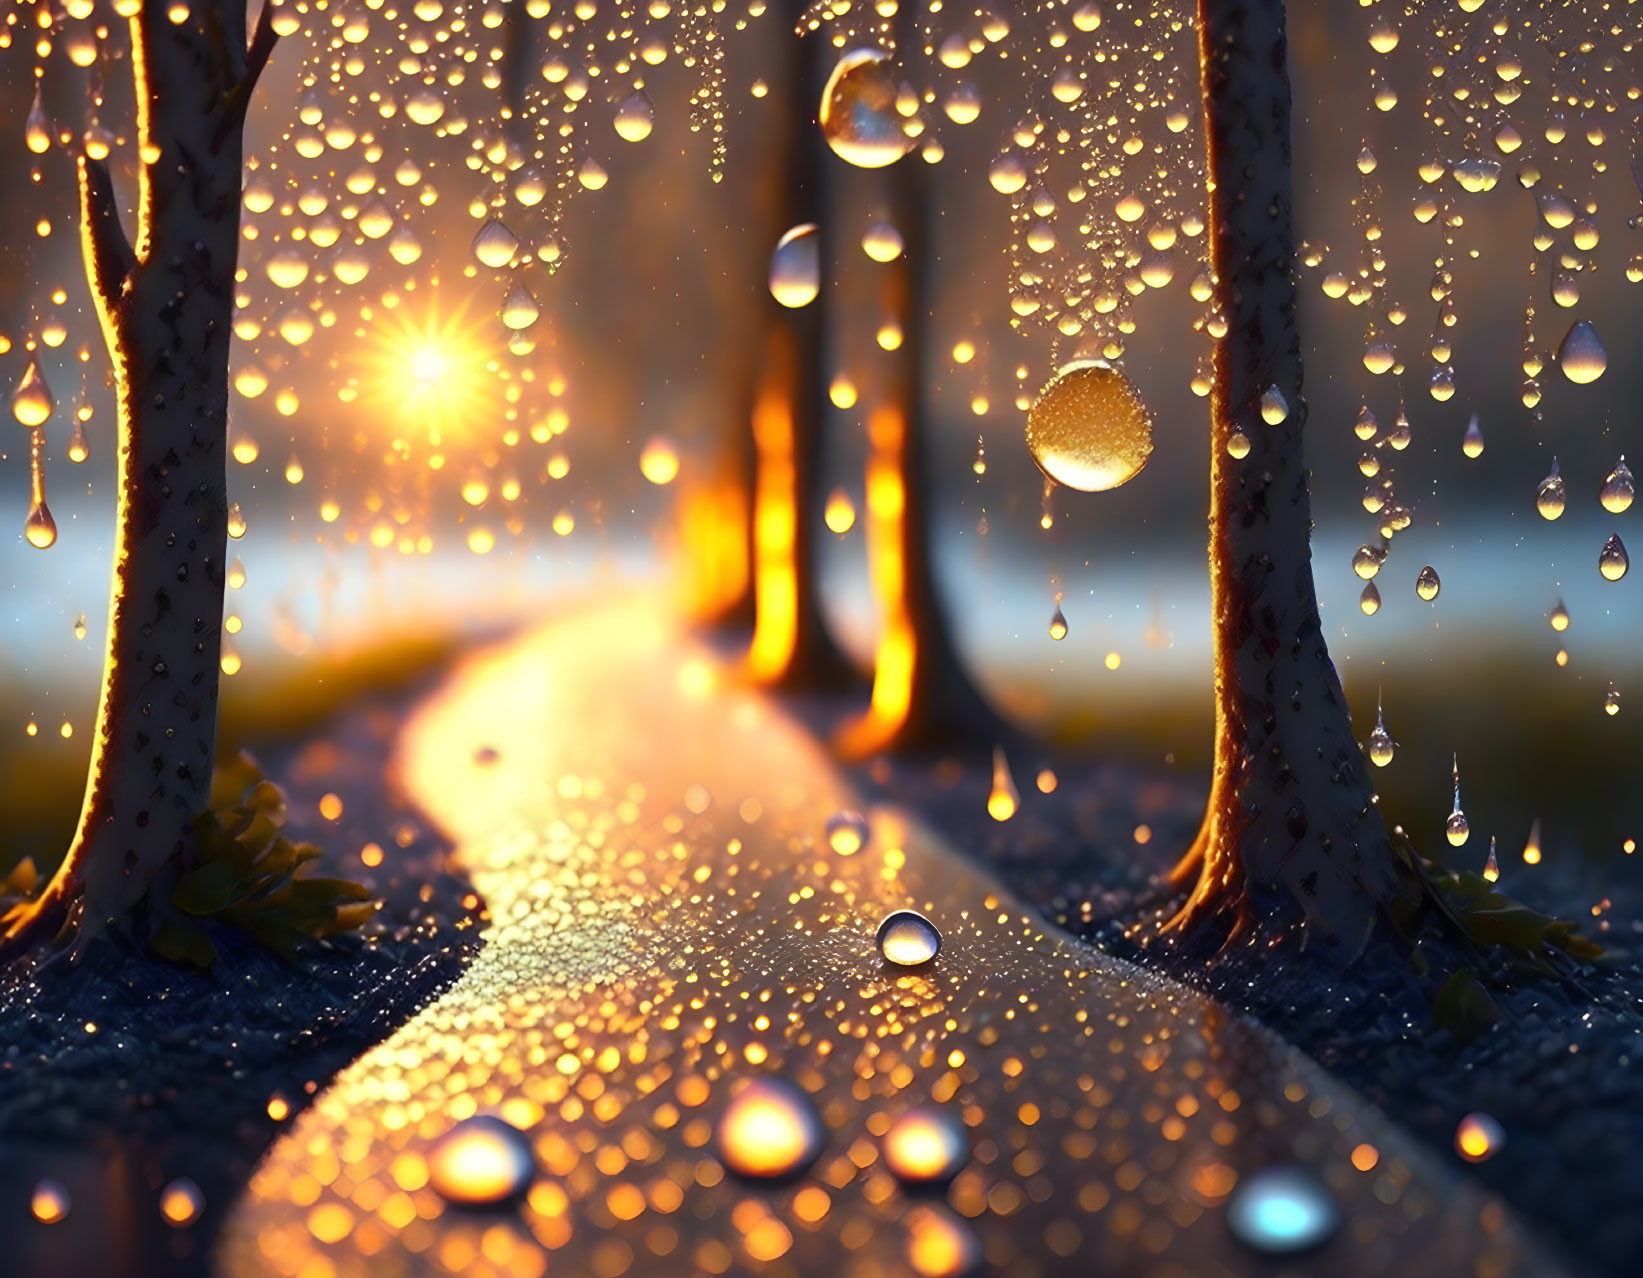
775 539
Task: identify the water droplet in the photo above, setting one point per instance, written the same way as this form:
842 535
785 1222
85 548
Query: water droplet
1279 1211
770 1129
1003 799
236 522
1581 355
1618 489
480 1162
907 939
1560 617
1427 583
79 447
31 402
1058 624
1531 847
1472 442
939 1244
519 309
49 1202
840 512
1007 173
1479 1137
181 1203
495 244
1274 407
1381 745
1476 174
858 111
37 129
926 1146
1551 496
1491 865
1367 560
635 117
80 626
847 832
1611 701
1089 429
795 266
1612 561
882 242
38 527
1455 828
1237 445
1366 425
1370 599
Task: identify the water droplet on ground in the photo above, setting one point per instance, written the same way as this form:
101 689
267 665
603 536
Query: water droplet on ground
907 939
926 1146
480 1162
770 1129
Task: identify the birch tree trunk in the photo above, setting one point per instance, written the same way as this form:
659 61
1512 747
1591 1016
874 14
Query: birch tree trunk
166 311
1291 813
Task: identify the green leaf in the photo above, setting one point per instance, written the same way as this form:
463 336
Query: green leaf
1463 1007
183 944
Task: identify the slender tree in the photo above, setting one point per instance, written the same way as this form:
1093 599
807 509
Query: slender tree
1292 816
166 309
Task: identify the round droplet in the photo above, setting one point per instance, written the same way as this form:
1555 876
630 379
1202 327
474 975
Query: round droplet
1455 828
1479 1137
480 1162
1279 1211
181 1203
1367 560
1089 429
1427 583
39 527
1274 407
882 242
635 117
1476 174
495 244
926 1146
1237 445
1612 562
847 832
795 266
907 939
1618 489
1381 746
769 1129
858 111
939 1244
1007 173
50 1202
1550 495
1581 355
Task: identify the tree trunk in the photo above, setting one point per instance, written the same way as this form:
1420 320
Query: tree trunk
166 312
791 645
1291 812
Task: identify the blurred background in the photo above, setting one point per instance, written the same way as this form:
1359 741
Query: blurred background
396 508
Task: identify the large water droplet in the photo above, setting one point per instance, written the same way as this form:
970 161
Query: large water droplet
1007 173
1427 583
1612 561
1279 1211
480 1162
770 1129
858 111
907 939
635 117
795 266
1476 173
1366 425
519 309
1581 355
1367 560
882 242
31 402
1618 489
1089 429
926 1146
1455 829
495 244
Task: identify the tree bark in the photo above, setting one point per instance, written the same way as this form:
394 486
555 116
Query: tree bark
1291 814
166 311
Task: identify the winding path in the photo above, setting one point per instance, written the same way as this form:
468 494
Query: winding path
668 919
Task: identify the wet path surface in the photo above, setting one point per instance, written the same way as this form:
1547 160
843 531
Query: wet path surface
670 920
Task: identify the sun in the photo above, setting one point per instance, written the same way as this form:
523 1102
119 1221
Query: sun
432 374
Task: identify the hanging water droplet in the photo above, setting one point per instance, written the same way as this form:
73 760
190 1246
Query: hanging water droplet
1611 701
1007 173
1274 407
1279 1211
181 1203
31 402
847 832
858 111
635 117
1058 624
1089 429
1366 425
1381 745
1491 866
519 309
79 447
1560 617
1003 799
1476 174
480 1162
1618 490
39 528
80 626
1237 445
1472 442
795 266
1550 496
1581 355
881 242
1427 583
50 1202
1367 560
1370 600
1479 1137
495 244
1531 847
907 939
926 1146
1455 828
770 1129
1612 561
36 129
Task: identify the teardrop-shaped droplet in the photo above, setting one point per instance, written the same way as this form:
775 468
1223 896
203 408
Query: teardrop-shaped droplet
1007 173
926 1146
79 447
1491 865
1427 583
846 832
1531 846
858 111
1003 799
1366 425
882 242
39 528
795 266
1551 496
31 402
635 117
1089 429
1381 745
769 1130
1279 1211
1612 562
1274 407
1472 442
480 1162
1455 828
907 939
236 522
1367 560
495 244
519 309
1618 489
1370 600
36 129
1560 617
1611 701
1058 624
1581 355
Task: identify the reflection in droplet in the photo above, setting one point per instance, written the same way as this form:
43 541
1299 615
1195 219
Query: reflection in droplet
1367 560
1089 429
480 1162
1618 489
907 939
795 266
1581 355
847 832
769 1129
1370 600
858 111
1612 561
1479 1137
1278 1211
1427 583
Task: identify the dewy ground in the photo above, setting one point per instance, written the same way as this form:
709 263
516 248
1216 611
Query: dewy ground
669 920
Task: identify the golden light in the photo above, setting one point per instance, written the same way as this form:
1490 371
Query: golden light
770 1129
1478 1137
431 372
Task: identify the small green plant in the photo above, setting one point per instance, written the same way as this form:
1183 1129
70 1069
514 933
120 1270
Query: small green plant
248 875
